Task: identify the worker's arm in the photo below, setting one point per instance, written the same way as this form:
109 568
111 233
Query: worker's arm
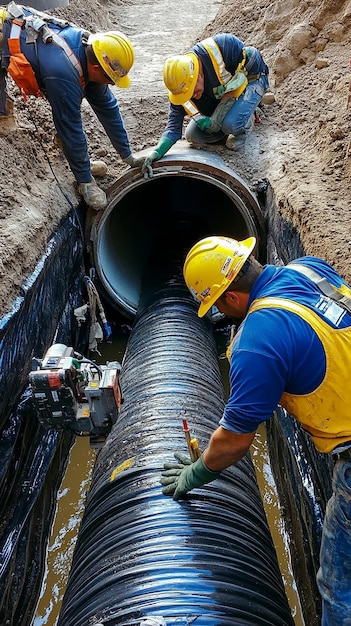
105 106
225 448
171 134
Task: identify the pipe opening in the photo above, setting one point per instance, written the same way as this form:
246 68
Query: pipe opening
191 195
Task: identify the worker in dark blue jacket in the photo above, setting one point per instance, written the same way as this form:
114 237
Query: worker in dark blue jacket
67 64
219 84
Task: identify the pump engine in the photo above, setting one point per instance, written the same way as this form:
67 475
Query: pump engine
72 392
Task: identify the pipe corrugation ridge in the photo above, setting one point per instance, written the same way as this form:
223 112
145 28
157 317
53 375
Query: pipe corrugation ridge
208 559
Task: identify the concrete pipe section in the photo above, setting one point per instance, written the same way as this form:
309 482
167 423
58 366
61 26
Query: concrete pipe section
192 194
142 559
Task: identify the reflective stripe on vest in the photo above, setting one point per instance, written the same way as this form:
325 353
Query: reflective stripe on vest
62 43
342 295
191 109
216 57
324 413
14 46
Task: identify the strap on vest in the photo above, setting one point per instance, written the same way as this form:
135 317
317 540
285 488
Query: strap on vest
62 43
323 284
38 26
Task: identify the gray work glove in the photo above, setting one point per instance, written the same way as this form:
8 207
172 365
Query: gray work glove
162 147
179 478
93 195
146 167
214 123
134 161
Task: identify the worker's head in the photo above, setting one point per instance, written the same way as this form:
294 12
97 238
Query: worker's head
212 265
180 74
115 55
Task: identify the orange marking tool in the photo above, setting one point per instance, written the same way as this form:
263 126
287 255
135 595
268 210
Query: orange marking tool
188 440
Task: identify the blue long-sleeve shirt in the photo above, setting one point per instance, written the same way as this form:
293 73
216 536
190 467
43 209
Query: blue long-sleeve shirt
275 350
231 48
60 82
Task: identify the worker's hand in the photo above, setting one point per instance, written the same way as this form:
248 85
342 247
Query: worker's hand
202 121
134 161
158 152
218 116
146 167
179 478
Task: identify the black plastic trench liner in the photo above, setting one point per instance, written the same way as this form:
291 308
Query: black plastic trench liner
33 459
140 557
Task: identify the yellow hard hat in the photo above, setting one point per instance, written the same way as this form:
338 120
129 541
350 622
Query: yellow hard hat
180 75
212 264
115 54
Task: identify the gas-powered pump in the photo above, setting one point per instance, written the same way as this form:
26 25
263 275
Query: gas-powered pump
72 392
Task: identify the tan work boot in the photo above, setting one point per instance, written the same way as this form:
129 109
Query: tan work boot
98 168
268 98
93 195
7 124
235 142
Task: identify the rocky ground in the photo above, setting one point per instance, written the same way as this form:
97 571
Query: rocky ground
301 146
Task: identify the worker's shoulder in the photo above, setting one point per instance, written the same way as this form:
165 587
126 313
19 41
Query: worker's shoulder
322 267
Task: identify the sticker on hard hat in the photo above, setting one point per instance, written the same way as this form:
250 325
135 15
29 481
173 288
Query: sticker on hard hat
115 66
226 265
236 268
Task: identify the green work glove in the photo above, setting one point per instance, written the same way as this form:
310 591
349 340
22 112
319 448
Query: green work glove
162 147
202 121
218 115
134 161
179 478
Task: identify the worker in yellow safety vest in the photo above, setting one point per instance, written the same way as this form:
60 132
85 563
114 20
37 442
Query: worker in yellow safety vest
219 84
292 347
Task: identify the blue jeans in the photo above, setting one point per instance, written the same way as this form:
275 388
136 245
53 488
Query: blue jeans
334 575
238 119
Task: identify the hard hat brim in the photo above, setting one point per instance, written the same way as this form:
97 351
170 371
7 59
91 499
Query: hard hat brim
183 97
123 82
248 246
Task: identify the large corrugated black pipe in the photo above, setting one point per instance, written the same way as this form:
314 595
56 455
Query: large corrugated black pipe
142 558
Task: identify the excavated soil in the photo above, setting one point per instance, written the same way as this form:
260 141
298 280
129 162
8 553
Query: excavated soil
301 145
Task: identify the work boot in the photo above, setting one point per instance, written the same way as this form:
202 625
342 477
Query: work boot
93 195
98 168
268 98
235 142
7 124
